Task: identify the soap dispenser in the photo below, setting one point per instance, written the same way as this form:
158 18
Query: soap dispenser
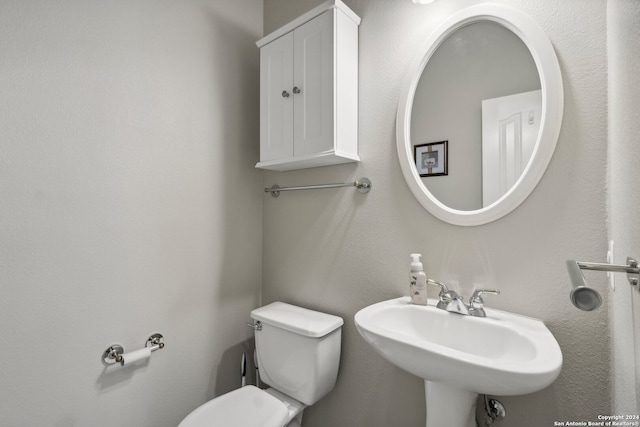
417 281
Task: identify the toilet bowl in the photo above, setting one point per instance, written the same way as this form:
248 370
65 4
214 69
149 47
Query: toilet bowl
298 356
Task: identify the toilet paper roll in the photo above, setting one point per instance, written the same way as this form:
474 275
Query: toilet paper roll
135 356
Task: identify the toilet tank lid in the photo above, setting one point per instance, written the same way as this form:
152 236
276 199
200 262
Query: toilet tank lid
296 319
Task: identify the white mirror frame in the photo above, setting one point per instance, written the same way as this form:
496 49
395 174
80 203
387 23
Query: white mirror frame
546 61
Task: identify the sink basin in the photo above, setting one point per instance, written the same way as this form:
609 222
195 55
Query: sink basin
461 356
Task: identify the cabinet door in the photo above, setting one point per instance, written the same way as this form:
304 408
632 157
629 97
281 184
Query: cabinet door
276 99
313 75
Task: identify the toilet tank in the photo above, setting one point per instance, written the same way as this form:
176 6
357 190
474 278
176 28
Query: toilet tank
298 350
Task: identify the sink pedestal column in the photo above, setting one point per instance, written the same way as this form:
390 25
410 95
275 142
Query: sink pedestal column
449 406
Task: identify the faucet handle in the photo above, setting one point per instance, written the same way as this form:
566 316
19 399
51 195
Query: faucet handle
445 294
443 287
476 300
476 303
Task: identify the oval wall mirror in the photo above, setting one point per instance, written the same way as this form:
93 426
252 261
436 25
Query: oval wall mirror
479 115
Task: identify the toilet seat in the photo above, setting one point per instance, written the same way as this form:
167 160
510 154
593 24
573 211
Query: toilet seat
247 406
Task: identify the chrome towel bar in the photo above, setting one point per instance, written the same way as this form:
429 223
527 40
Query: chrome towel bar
631 268
586 298
363 185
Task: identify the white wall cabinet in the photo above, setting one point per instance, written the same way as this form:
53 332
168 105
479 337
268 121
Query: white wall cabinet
309 90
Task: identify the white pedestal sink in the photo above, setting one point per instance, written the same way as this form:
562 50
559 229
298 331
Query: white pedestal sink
460 356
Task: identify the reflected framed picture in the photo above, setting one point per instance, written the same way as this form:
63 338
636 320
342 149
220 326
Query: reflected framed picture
432 158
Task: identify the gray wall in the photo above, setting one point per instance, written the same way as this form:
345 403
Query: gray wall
624 133
338 250
130 205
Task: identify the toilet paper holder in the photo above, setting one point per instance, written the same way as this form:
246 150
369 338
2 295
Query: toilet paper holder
115 352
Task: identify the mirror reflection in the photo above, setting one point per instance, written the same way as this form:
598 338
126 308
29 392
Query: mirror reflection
479 93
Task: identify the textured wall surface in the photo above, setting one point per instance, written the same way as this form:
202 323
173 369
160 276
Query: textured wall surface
130 205
624 133
338 250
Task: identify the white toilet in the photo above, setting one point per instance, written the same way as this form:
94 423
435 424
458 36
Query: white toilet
298 356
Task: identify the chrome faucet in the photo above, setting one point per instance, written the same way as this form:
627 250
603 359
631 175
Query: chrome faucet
450 301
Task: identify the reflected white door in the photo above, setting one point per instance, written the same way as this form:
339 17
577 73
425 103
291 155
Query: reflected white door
510 127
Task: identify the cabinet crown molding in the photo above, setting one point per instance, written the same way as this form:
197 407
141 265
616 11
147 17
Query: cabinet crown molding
318 10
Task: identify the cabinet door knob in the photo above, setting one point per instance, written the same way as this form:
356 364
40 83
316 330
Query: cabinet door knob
296 89
285 94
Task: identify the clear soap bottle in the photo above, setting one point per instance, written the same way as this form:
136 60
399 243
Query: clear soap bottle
417 281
